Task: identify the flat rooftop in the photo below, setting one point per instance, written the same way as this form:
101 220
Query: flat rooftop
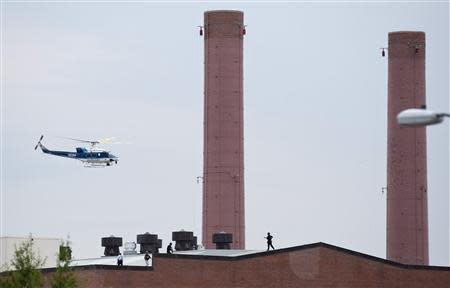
138 259
128 260
219 252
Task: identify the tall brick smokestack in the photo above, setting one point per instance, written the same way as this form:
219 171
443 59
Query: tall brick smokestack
223 162
407 212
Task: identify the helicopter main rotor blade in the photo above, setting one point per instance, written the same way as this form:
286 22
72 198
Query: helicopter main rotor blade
81 140
109 140
112 140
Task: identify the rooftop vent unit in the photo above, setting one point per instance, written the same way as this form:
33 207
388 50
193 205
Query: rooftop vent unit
184 240
129 248
111 245
149 242
195 243
222 240
159 243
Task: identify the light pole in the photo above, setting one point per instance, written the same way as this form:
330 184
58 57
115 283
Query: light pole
420 117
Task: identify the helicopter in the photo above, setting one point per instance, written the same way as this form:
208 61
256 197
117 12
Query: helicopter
90 158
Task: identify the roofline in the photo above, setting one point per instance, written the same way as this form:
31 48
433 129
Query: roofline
91 267
382 260
303 247
27 237
249 256
101 267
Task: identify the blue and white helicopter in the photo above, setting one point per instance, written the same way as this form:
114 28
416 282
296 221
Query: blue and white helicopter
90 158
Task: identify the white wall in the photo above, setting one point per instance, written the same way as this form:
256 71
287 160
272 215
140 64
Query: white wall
46 248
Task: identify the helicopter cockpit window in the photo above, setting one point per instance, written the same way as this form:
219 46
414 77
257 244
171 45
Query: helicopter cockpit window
81 150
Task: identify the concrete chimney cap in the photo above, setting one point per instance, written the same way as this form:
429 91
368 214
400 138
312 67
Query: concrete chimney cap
223 11
406 32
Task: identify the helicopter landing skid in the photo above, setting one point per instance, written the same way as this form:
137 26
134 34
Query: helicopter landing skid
91 165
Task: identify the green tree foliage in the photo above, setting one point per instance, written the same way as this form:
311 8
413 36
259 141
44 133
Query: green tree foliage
64 276
24 272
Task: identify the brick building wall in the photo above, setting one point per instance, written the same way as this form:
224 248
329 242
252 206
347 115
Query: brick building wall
315 265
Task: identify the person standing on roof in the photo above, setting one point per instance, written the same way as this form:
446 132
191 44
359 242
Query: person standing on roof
120 260
169 248
269 241
146 258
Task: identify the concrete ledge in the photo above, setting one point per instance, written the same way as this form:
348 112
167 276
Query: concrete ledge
102 267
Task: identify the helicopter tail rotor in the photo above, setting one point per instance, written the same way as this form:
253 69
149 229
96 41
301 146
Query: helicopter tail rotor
39 142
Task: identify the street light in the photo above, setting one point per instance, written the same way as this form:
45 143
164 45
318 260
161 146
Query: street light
420 117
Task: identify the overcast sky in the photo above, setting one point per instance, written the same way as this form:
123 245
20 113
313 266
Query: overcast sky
315 120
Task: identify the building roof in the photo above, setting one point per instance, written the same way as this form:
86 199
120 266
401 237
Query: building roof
136 262
313 265
218 252
256 253
138 259
232 255
128 260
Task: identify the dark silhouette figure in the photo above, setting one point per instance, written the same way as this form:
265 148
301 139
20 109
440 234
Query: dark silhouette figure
147 257
269 241
120 260
169 248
